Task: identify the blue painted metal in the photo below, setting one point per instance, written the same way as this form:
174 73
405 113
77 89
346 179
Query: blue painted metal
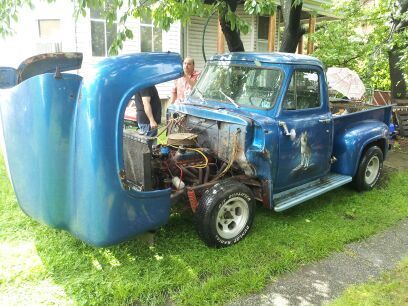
66 173
310 190
221 114
64 148
261 130
267 58
354 132
8 77
319 133
272 154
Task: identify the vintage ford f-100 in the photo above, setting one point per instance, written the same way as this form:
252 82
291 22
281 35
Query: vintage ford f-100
256 127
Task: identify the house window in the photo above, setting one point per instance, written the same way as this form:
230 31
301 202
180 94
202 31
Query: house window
263 26
49 29
150 37
49 33
102 34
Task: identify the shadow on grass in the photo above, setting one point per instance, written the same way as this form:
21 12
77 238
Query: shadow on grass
177 267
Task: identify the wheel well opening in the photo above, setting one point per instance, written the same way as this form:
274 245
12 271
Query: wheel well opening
381 143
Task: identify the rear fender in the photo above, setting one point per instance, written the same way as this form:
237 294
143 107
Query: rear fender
350 144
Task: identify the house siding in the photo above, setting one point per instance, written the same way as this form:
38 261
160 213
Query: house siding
194 34
26 41
170 42
76 36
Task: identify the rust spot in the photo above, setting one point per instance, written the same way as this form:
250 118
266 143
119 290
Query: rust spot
48 62
192 199
266 154
265 194
122 175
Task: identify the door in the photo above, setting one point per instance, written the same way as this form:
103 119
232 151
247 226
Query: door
305 130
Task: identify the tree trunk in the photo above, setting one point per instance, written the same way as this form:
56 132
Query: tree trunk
398 82
293 30
232 37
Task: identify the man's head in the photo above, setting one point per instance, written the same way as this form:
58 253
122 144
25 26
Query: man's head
188 65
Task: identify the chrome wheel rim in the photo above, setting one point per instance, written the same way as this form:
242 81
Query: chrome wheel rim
232 217
372 169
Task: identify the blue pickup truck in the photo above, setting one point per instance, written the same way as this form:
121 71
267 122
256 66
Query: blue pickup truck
257 127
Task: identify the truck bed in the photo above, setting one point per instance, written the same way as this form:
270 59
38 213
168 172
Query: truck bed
358 112
351 107
352 132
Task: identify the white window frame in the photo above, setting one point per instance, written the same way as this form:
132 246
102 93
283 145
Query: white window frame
41 37
51 43
263 41
150 25
106 48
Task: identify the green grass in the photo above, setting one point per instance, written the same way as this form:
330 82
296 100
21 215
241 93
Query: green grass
40 265
391 289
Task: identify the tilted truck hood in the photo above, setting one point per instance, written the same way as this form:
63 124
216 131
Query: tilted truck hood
62 142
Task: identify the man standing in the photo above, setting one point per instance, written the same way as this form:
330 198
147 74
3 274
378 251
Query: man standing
182 86
148 110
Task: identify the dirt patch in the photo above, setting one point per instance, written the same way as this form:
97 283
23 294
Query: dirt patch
401 144
385 177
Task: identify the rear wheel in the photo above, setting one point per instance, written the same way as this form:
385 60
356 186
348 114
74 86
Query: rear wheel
225 213
369 169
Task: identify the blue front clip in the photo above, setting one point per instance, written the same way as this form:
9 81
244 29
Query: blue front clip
63 147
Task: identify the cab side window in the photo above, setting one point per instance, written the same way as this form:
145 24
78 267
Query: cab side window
303 91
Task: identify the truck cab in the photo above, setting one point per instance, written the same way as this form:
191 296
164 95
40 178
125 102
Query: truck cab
286 96
291 141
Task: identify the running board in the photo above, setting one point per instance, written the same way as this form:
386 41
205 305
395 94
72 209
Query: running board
289 198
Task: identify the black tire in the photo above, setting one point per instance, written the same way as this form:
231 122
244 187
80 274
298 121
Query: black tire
225 213
369 170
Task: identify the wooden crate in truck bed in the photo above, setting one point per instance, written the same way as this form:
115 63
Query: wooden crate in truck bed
401 114
402 119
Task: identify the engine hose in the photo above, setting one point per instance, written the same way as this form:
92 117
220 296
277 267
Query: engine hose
200 175
231 161
189 173
198 151
207 174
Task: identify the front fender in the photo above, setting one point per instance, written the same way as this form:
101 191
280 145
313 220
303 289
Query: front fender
63 143
262 154
348 146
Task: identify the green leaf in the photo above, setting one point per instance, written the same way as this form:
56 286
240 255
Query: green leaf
129 34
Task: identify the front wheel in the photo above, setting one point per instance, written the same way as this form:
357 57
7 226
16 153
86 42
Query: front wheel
369 169
225 213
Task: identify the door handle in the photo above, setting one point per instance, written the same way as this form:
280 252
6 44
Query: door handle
291 134
328 120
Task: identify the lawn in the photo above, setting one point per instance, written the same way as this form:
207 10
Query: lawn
391 289
42 265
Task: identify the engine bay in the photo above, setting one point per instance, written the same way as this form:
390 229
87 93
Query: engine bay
192 157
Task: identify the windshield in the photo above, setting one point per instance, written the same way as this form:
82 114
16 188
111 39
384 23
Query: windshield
239 85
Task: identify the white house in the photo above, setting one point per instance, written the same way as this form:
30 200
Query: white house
52 28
